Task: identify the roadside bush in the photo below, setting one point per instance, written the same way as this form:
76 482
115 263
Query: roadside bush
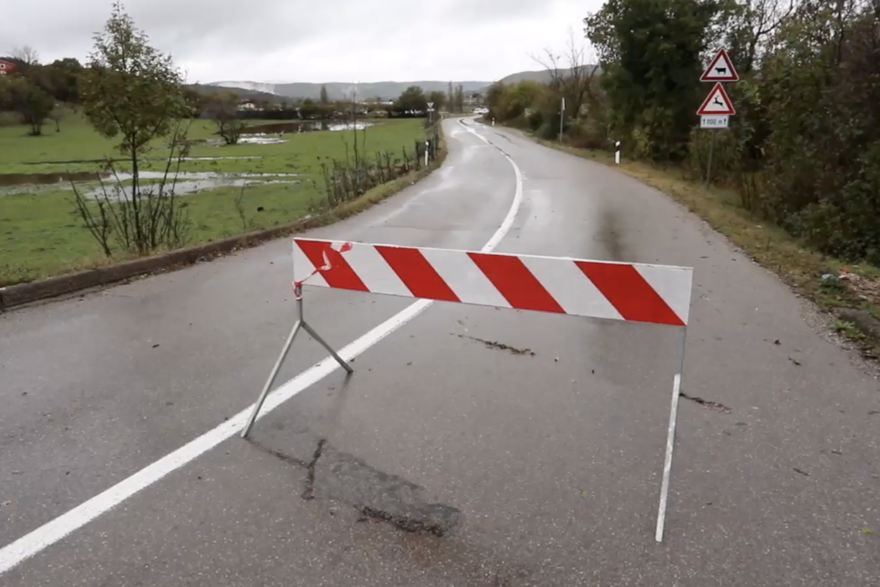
535 119
726 156
549 129
588 133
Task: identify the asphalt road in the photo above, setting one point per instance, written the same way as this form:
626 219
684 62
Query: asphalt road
444 459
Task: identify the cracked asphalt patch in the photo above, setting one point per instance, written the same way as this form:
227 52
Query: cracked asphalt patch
499 346
309 491
337 476
707 403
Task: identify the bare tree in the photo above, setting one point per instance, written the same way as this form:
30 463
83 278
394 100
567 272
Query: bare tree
27 54
571 75
762 17
222 110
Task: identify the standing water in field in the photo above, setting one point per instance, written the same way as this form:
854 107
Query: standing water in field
193 182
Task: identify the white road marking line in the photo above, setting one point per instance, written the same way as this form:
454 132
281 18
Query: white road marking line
667 464
54 531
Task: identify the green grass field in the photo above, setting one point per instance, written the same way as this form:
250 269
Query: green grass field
77 141
40 236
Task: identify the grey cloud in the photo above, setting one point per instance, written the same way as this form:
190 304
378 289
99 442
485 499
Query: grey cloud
480 10
308 40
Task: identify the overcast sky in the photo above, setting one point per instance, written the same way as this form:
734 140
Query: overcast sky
313 40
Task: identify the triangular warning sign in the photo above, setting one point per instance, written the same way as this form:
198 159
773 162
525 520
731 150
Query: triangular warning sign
717 102
721 69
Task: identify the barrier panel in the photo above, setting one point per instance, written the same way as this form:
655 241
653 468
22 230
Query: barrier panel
658 294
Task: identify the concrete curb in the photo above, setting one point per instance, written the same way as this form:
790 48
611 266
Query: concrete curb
25 293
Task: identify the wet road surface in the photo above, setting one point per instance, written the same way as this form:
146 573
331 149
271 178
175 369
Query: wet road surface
471 446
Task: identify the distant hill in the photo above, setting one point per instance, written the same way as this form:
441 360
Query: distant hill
241 92
342 90
542 76
338 90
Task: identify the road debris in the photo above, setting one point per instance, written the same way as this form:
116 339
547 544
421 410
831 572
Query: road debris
804 473
500 346
718 407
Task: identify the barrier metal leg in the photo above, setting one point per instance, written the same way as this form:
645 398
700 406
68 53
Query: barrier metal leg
300 323
339 360
670 439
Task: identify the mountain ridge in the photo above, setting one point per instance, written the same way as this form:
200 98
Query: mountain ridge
385 90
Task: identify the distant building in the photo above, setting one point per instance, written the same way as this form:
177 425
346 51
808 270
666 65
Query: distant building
6 66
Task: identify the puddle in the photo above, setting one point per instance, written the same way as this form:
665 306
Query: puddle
101 161
192 182
14 179
187 182
266 134
182 188
10 179
64 177
202 175
259 140
281 128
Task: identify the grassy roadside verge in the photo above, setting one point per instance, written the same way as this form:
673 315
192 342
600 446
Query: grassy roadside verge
51 252
40 236
848 291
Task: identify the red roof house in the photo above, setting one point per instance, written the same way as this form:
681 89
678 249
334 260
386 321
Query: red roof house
6 66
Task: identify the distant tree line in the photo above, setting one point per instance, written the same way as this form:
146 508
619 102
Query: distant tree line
803 150
34 90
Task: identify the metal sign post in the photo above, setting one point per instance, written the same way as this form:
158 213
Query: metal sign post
717 108
430 113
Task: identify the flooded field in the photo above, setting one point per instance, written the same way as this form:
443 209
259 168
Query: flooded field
190 183
20 179
154 159
187 182
305 126
42 236
273 134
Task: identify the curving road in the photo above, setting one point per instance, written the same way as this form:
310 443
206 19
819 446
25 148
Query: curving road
453 455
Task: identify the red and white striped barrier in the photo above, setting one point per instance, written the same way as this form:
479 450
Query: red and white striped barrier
658 294
616 291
